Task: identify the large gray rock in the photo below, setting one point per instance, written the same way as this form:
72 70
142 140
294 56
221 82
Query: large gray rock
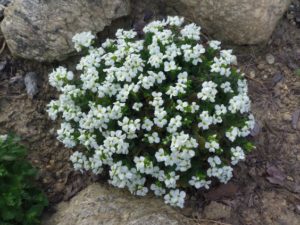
43 29
237 21
104 205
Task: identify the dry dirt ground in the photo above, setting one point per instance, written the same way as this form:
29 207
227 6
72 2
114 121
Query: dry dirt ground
265 188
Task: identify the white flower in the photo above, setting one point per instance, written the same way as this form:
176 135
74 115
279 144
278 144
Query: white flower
175 21
3 137
214 44
191 31
212 146
153 138
137 106
232 134
226 87
123 34
158 190
169 66
78 160
154 26
130 127
205 120
214 161
175 198
199 183
59 77
228 57
160 155
220 110
182 105
239 103
65 135
208 91
147 125
237 154
83 40
174 124
170 180
180 86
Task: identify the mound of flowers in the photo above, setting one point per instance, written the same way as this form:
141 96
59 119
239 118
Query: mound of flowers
161 113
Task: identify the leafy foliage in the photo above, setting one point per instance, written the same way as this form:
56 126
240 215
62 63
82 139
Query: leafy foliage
21 201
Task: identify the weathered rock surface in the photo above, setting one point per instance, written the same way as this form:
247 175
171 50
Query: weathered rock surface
101 204
237 21
43 29
216 211
5 2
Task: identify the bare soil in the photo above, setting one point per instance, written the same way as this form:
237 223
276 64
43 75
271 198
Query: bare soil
265 188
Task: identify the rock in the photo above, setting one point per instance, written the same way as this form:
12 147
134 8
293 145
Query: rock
216 211
102 204
43 30
31 84
270 59
238 21
5 2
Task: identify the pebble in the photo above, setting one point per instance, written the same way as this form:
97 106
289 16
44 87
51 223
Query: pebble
270 59
287 116
2 65
31 84
252 74
260 66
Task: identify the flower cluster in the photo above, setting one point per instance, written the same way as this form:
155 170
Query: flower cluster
162 113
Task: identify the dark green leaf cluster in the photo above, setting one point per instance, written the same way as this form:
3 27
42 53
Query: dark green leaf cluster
21 201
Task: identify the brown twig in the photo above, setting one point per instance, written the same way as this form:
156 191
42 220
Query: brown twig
253 79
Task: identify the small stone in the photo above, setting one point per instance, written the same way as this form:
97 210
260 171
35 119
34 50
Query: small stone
261 66
252 74
48 167
2 63
290 178
265 76
46 181
59 187
287 116
270 59
31 84
216 211
52 131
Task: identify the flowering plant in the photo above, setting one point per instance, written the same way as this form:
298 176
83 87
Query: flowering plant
164 113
